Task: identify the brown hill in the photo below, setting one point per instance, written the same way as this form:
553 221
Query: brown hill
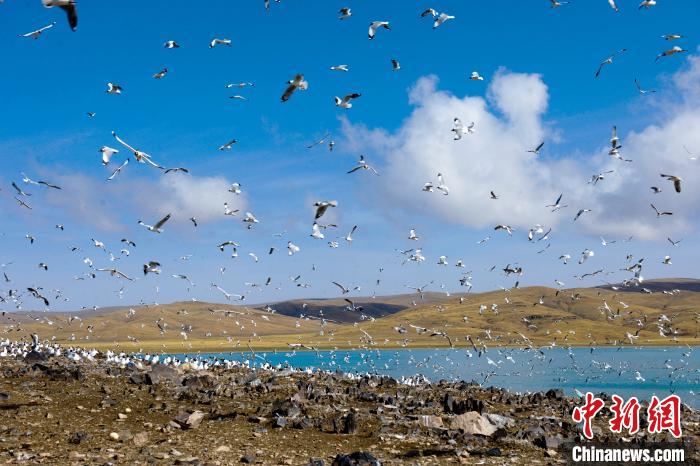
533 315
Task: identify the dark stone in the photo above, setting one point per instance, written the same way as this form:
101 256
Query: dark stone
350 426
248 459
160 373
137 378
453 406
279 422
4 396
201 381
303 423
78 437
553 394
493 452
59 372
286 408
358 458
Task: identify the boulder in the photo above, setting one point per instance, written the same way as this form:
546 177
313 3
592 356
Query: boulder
473 423
189 420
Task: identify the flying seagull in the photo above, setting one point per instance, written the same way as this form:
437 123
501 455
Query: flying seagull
171 44
557 3
35 34
322 207
536 150
113 88
116 273
345 102
676 181
68 6
659 213
118 170
216 42
297 83
608 61
362 165
107 153
345 13
672 51
228 145
440 18
642 91
557 204
374 25
141 157
460 130
157 228
340 68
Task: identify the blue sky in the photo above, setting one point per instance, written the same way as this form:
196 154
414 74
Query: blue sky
49 84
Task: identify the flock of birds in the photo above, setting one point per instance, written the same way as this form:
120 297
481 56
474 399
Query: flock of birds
538 234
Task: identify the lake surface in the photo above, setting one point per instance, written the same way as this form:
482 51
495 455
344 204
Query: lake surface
628 371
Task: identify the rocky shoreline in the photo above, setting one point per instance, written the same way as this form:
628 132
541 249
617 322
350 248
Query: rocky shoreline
57 411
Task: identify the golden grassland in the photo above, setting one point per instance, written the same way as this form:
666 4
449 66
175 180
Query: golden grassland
559 320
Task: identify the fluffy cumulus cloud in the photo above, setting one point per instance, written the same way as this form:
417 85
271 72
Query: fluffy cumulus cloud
495 158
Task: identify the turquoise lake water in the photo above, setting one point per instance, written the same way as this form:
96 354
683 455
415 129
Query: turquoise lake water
628 371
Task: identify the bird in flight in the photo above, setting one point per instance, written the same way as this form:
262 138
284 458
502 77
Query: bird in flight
460 130
158 227
537 149
297 83
362 165
439 18
642 91
345 102
37 33
672 51
69 7
660 213
676 180
374 25
608 61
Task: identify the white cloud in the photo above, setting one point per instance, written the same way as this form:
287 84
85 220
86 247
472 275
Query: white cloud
188 196
108 205
494 158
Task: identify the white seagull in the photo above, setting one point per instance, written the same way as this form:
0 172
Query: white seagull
157 228
68 6
345 101
460 130
216 42
35 34
374 25
297 83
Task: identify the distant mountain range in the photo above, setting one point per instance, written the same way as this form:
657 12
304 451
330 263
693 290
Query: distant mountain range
524 316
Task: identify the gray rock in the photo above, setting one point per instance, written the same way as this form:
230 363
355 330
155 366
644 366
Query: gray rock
161 374
189 420
473 423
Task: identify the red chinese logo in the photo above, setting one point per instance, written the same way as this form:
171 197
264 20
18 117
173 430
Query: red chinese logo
625 415
587 412
665 415
662 415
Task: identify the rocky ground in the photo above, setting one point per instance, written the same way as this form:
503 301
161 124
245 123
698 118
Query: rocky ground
59 413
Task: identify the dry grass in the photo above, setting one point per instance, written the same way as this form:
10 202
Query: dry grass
559 320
